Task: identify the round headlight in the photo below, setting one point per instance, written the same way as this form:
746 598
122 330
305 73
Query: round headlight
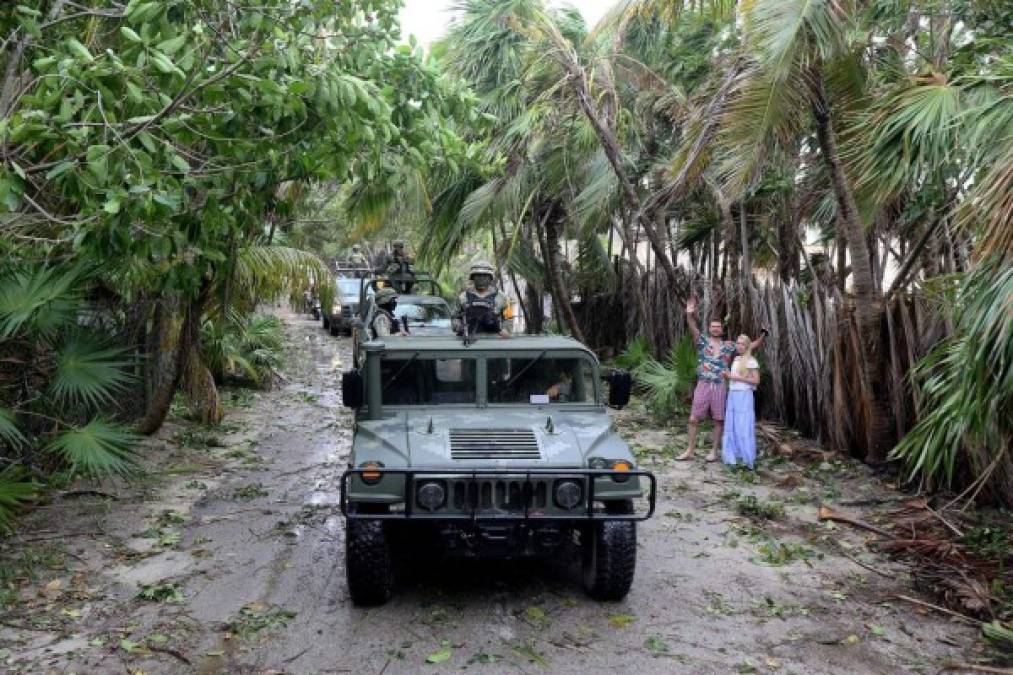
597 463
431 496
568 494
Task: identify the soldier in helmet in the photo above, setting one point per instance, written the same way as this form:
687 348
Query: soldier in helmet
385 323
356 258
399 268
484 308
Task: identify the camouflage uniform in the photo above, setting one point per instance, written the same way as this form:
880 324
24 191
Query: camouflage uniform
385 323
356 258
483 310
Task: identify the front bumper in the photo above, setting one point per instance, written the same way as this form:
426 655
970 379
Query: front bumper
497 494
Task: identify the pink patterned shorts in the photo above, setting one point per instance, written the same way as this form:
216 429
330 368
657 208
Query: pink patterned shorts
708 400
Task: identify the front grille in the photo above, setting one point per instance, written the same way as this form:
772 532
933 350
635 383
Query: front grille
493 444
499 495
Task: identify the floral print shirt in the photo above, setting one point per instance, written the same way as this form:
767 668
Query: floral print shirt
711 359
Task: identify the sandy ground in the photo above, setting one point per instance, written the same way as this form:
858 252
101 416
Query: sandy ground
228 557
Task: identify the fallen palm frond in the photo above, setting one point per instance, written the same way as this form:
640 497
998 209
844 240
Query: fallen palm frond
966 564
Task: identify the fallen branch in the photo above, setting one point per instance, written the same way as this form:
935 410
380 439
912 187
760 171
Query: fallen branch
827 513
171 652
929 605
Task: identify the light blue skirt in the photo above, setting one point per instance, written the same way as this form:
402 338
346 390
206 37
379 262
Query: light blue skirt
738 444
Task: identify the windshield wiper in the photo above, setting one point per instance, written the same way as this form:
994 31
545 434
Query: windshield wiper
401 370
513 380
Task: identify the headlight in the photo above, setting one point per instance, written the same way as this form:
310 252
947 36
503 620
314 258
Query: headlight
431 495
370 474
568 494
598 463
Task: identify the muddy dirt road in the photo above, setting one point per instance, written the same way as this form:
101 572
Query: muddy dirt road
228 557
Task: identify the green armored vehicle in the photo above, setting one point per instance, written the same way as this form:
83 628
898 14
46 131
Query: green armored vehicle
493 447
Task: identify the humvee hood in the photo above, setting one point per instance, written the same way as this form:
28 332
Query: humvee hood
495 437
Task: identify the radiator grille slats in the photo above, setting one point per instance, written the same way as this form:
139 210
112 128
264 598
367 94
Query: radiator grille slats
494 444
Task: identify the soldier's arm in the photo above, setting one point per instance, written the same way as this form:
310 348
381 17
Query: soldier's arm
382 326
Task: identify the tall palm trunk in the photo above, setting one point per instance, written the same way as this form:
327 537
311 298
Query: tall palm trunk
868 301
560 291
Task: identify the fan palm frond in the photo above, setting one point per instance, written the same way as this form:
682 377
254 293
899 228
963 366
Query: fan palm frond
15 492
667 384
99 448
9 432
914 132
89 373
39 300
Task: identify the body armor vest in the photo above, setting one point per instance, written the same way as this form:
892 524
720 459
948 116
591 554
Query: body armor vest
480 313
395 325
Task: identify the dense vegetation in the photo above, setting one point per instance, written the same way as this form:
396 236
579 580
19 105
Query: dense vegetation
839 171
151 152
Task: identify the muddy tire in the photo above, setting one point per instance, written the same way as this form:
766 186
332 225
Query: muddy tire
368 562
326 321
610 558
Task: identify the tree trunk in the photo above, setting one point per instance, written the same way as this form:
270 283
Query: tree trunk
560 291
868 302
200 388
176 347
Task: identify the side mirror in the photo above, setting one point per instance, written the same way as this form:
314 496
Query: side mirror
620 385
352 394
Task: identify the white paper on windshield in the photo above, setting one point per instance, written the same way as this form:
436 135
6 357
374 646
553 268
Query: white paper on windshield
539 399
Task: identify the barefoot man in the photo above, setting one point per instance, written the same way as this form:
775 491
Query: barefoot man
713 357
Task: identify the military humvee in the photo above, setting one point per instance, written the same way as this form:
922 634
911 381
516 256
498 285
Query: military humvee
494 447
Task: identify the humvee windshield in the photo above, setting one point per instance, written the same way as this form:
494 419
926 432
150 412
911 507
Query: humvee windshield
539 379
530 379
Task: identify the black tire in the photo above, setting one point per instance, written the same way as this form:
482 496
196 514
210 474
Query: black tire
369 566
335 330
610 559
326 320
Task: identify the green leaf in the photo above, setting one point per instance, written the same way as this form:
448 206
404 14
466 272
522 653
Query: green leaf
162 62
99 448
79 50
38 301
180 163
130 34
657 644
59 169
442 655
98 161
172 46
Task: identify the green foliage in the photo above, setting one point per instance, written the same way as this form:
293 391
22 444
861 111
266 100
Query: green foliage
86 373
16 491
637 352
667 385
240 347
967 384
99 448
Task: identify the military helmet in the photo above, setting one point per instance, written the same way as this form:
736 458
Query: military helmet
385 295
481 267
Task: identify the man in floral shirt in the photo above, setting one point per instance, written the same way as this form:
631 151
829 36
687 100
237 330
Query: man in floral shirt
713 357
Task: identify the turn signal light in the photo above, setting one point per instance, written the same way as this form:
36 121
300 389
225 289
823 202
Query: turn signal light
370 474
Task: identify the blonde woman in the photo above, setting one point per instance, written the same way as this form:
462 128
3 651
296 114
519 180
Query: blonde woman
738 445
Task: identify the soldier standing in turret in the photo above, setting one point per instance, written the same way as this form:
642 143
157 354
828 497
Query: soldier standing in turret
483 307
385 323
